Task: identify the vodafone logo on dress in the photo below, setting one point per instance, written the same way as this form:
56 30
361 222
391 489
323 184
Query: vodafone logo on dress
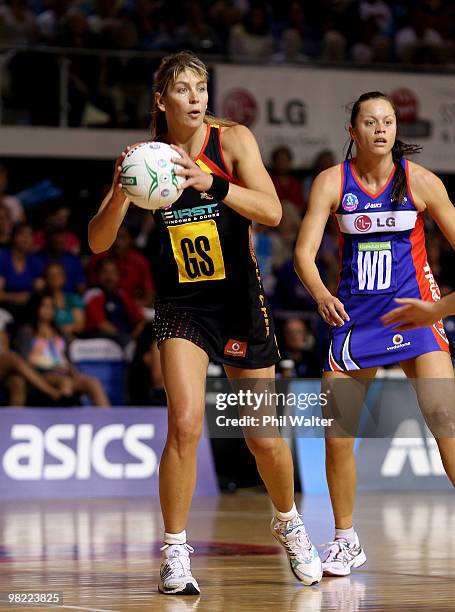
363 223
235 348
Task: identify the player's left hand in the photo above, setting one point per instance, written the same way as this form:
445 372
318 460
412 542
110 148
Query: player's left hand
195 177
414 313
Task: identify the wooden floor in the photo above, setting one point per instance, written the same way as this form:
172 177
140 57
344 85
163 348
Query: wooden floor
104 555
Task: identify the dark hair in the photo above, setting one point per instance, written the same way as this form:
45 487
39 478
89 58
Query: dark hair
33 306
400 149
105 261
279 150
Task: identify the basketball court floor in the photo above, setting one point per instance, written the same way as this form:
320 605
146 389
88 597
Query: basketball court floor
104 555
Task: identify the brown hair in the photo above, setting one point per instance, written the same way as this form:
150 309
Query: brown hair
169 69
400 149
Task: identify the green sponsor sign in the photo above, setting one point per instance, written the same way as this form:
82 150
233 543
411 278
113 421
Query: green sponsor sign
375 246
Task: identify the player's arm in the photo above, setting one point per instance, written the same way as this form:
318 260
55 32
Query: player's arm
256 199
418 313
324 197
103 228
429 190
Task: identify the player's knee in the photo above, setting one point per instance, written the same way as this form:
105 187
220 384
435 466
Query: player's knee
184 430
269 447
339 447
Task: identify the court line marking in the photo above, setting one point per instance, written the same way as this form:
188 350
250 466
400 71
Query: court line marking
86 609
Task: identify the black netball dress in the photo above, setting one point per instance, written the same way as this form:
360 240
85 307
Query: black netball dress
209 288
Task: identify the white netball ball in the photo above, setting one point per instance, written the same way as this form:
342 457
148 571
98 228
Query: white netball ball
148 176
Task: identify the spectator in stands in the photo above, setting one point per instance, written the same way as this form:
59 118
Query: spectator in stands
11 202
55 251
59 219
288 186
145 379
20 271
89 98
285 234
196 34
299 40
6 226
224 14
110 311
15 372
50 21
251 39
298 344
418 42
333 43
379 12
17 23
134 269
323 160
41 344
69 313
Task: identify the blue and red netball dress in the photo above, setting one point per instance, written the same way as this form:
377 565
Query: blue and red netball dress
382 256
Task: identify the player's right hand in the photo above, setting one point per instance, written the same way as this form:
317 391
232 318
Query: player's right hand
332 311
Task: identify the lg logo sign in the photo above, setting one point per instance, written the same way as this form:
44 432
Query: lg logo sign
28 458
362 223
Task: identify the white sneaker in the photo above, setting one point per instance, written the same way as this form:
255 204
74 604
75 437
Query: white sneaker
175 571
303 556
340 556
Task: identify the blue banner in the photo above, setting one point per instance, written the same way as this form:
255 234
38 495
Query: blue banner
86 452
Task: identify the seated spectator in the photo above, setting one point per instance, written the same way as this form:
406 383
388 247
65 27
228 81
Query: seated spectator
50 21
10 202
15 372
17 23
298 345
6 226
333 44
59 219
252 39
134 269
69 313
379 12
196 34
20 271
299 40
418 42
145 380
324 159
288 187
285 235
41 344
55 251
110 311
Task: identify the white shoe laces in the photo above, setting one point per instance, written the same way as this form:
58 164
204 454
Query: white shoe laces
337 548
179 564
296 541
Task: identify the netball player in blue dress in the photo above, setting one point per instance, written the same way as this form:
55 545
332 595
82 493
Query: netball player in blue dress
378 199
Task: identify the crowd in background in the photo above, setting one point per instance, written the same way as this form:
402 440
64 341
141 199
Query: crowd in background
53 291
115 90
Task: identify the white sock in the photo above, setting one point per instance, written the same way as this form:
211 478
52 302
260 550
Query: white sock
175 538
287 516
345 534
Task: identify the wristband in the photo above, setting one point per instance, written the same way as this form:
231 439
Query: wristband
219 188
